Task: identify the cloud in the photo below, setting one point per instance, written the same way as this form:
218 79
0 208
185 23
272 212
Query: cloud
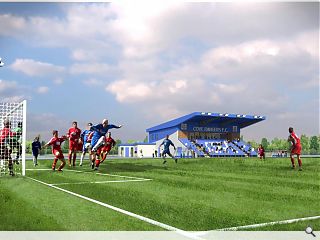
154 27
12 25
7 86
38 124
178 85
264 57
92 68
11 91
228 70
58 81
34 68
92 82
42 90
126 91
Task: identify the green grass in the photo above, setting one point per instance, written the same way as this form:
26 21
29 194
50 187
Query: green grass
193 195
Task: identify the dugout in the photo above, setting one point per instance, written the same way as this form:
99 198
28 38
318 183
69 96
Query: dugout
205 134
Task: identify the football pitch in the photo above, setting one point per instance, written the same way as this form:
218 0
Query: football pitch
144 195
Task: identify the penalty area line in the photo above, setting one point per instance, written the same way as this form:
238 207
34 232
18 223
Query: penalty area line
90 172
100 182
145 219
107 174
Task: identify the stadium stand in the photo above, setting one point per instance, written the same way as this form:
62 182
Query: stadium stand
202 134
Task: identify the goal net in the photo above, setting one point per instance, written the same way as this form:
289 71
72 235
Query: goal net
13 138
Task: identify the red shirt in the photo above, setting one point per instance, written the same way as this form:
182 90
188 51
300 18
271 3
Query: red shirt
5 133
261 151
296 139
109 144
74 134
56 143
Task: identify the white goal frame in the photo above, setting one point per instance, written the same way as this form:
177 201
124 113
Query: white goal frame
7 111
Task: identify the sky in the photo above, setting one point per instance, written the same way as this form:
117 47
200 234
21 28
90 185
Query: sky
143 63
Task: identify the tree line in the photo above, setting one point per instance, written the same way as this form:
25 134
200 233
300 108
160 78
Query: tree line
310 144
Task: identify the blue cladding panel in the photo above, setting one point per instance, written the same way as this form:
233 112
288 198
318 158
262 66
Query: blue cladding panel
157 135
126 152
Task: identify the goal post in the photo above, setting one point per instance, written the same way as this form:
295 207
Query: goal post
24 136
13 126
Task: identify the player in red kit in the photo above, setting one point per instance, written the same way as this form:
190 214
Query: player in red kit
74 141
56 142
104 150
295 148
261 152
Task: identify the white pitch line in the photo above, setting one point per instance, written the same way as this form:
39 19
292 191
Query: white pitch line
38 169
114 181
105 174
268 224
145 219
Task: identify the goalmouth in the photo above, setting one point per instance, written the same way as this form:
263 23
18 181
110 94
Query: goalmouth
13 125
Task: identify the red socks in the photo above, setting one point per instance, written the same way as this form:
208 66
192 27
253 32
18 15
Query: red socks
299 162
292 161
74 159
97 163
69 158
54 163
74 156
61 166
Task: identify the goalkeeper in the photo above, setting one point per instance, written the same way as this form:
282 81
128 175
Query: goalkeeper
6 136
17 142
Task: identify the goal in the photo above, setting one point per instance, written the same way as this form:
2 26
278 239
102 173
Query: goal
13 138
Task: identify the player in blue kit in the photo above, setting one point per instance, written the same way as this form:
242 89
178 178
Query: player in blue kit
98 137
166 143
86 136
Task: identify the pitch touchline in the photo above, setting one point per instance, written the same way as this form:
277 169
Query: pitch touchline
269 223
258 225
145 219
115 181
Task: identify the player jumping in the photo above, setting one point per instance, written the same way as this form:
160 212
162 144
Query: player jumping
104 150
98 137
295 148
74 139
56 142
166 143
